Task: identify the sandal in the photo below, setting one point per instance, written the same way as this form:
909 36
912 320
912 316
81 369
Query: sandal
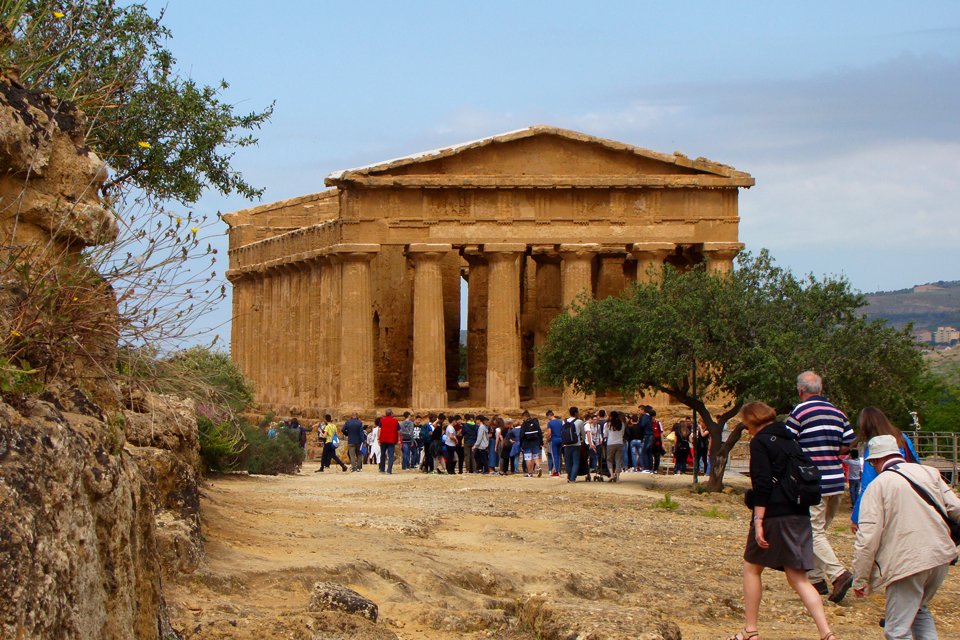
829 636
748 635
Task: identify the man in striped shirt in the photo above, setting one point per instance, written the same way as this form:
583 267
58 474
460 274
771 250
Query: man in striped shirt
824 434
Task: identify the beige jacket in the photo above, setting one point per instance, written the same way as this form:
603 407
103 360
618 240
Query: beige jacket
900 534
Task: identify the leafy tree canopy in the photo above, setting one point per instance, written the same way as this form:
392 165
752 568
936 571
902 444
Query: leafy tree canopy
160 132
747 335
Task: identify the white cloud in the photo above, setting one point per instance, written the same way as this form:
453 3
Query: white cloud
889 196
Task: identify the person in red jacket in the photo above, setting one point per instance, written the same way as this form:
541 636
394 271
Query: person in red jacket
389 436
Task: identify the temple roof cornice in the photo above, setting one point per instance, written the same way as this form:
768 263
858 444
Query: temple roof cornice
551 181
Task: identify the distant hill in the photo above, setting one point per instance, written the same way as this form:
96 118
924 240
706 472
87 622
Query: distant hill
946 363
927 306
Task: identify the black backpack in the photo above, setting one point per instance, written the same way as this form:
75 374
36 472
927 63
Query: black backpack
800 482
530 432
568 432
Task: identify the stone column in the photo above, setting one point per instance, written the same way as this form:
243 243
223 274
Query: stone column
286 351
577 276
610 280
720 256
255 334
477 279
302 353
429 379
269 336
549 302
330 276
503 326
236 311
650 257
314 350
355 374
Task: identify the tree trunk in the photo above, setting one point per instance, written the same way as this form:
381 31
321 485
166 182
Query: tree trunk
720 453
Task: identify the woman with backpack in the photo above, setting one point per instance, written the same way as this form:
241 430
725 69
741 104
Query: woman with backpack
780 535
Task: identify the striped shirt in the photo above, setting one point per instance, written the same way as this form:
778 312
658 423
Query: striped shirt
822 429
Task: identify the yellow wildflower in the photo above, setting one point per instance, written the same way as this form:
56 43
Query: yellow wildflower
15 333
59 14
194 230
75 298
144 145
179 220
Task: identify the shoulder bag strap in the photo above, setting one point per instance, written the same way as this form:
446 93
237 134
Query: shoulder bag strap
926 496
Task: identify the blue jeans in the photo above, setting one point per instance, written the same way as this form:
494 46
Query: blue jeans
571 456
646 459
493 458
387 452
636 453
854 490
405 456
556 455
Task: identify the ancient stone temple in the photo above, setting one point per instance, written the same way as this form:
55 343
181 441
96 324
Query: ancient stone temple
350 298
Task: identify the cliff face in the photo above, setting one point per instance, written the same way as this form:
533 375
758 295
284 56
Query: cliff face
77 539
94 506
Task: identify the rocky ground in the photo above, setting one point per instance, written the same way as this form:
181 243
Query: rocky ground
491 557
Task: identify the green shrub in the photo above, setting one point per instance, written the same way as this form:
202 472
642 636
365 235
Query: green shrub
269 456
713 512
667 503
221 443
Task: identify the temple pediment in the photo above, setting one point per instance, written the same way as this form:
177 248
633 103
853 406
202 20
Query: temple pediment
543 156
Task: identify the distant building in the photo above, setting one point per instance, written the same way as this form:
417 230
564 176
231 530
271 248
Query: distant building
946 335
922 336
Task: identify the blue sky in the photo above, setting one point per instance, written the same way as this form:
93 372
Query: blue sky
847 114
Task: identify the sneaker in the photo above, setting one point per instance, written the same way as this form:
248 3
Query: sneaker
840 586
554 475
821 587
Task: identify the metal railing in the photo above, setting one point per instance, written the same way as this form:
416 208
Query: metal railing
938 450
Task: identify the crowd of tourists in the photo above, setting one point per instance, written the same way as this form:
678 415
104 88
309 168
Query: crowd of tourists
905 517
596 446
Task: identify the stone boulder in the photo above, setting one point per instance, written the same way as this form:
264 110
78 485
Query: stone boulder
330 596
77 541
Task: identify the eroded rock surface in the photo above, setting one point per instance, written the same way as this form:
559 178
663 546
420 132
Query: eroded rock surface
164 442
328 596
77 542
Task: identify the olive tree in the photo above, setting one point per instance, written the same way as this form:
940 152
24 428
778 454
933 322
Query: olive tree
728 339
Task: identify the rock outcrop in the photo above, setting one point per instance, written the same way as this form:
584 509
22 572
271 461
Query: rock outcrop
97 504
162 436
330 596
62 313
77 542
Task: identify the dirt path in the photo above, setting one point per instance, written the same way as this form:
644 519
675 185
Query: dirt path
449 557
